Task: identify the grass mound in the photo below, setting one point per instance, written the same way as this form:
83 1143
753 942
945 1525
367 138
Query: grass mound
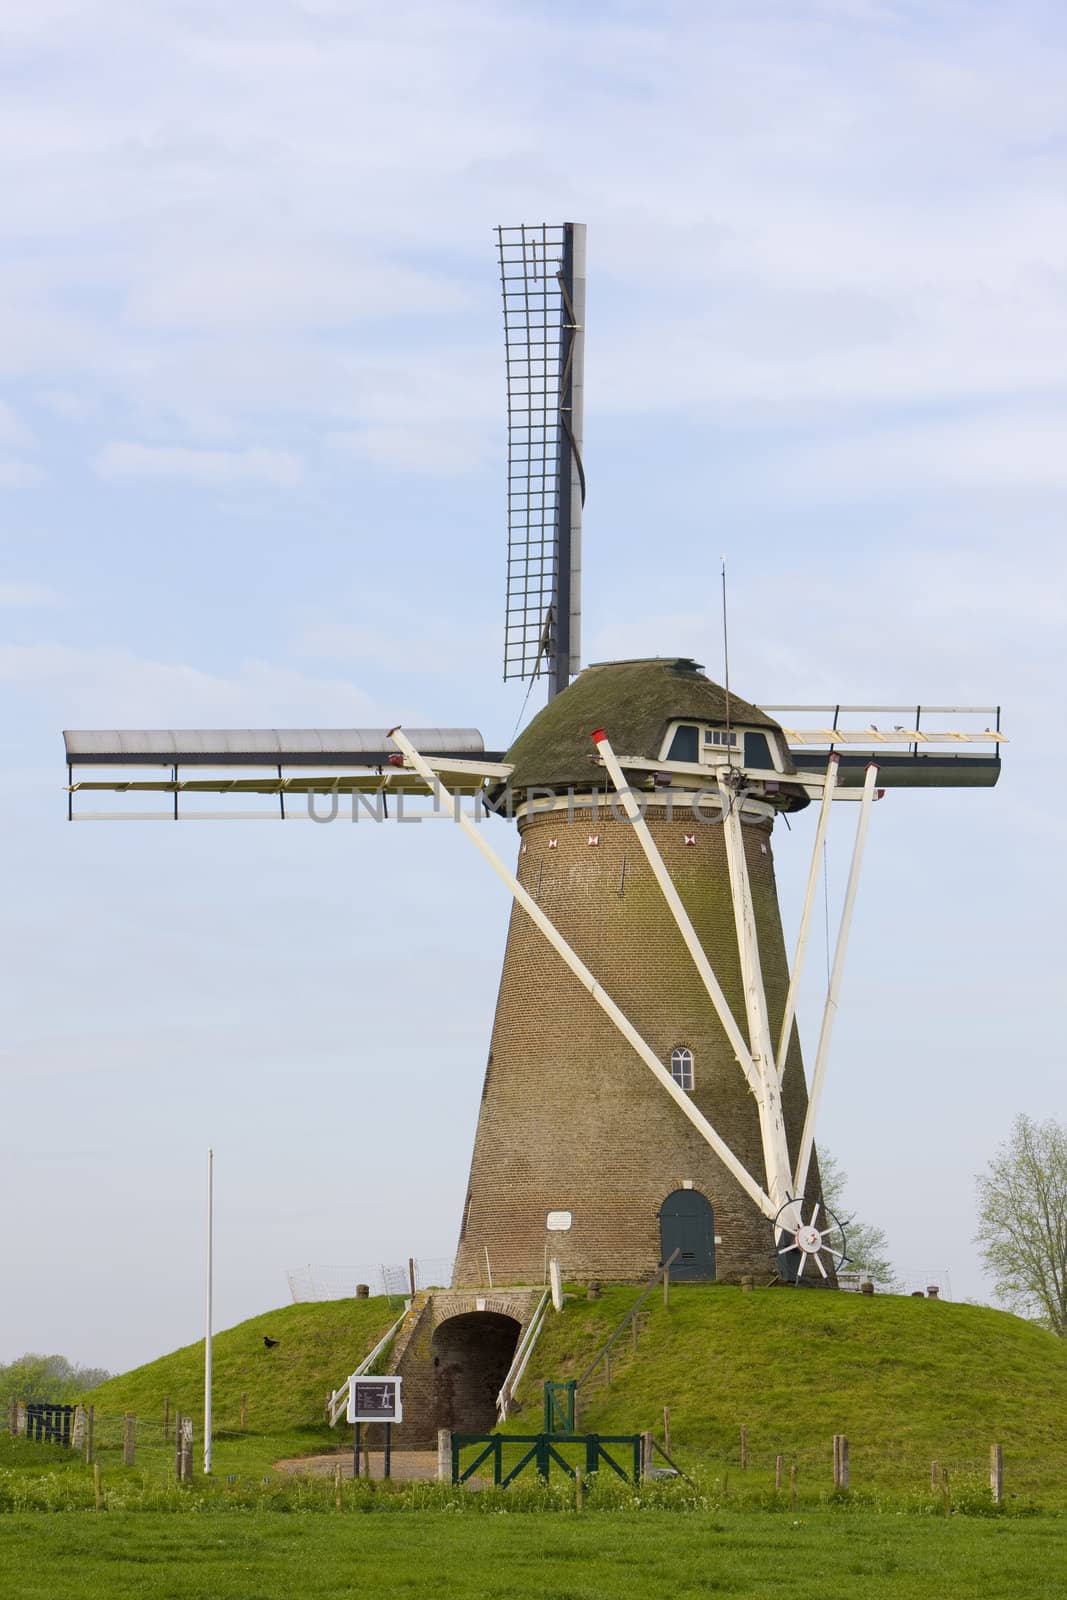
908 1380
318 1346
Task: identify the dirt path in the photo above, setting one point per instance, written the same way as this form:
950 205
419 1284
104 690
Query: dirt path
406 1465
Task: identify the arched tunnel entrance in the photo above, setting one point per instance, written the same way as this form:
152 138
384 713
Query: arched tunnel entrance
471 1357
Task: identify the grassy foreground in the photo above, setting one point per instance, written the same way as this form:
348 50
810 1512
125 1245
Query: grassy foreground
629 1556
908 1381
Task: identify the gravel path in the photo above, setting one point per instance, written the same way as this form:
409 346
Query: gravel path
406 1464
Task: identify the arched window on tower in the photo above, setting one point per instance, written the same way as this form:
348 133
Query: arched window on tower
682 1067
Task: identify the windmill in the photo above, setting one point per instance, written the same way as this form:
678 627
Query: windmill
644 1092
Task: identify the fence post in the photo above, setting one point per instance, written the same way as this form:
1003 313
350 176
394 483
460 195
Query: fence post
667 1284
744 1448
646 1454
89 1430
577 1488
179 1452
837 1461
129 1439
996 1472
844 1461
187 1449
444 1456
97 1489
20 1418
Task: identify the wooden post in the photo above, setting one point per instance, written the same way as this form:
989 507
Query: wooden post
129 1439
667 1285
89 1435
244 1412
793 1485
178 1450
646 1454
578 1496
996 1473
187 1449
97 1489
166 1419
337 1487
667 1429
744 1448
777 1474
411 1274
837 1461
444 1456
844 1461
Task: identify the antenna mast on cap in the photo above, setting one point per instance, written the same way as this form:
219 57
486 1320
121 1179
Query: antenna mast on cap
542 274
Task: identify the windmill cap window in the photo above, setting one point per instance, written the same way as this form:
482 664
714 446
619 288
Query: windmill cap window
706 744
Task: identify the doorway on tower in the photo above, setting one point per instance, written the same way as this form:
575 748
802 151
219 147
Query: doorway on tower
471 1357
686 1224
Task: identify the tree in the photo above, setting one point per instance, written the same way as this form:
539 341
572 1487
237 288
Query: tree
47 1380
1022 1221
867 1245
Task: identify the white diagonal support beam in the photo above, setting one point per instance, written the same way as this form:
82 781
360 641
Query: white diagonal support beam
772 1122
805 916
681 916
586 979
818 1076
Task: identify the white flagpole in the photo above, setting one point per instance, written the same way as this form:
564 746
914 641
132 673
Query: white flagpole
207 1315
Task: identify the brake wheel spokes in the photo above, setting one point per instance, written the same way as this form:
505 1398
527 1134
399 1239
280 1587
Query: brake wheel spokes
807 1229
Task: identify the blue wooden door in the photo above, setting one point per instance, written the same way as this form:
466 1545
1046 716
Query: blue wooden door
686 1224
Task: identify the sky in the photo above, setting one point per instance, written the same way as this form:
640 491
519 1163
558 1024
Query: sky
252 457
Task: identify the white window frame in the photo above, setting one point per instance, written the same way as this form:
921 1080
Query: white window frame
682 1067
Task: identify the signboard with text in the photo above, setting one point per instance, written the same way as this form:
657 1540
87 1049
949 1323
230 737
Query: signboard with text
374 1399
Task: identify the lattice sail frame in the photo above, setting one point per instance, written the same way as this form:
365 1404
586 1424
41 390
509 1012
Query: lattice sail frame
542 279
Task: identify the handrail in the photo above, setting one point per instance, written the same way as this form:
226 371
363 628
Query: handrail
628 1318
339 1398
521 1357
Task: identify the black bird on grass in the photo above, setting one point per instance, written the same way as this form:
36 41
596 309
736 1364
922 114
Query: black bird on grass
271 1344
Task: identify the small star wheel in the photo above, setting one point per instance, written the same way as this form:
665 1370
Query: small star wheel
807 1235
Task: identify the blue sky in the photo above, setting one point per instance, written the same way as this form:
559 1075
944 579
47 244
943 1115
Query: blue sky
252 473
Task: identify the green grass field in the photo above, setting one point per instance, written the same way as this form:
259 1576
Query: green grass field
626 1556
908 1381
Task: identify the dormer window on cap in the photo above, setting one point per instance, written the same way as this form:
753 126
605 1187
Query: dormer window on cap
707 745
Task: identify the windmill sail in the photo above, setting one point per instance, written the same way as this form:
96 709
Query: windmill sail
542 276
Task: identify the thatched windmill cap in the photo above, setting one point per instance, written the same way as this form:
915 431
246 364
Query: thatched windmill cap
634 702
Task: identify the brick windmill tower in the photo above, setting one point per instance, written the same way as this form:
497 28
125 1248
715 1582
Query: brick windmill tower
580 1154
644 1096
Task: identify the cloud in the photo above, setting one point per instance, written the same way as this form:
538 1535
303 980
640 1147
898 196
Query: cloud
123 461
18 475
1009 450
28 596
12 431
114 688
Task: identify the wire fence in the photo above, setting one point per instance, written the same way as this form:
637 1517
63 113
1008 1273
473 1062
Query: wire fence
396 1279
